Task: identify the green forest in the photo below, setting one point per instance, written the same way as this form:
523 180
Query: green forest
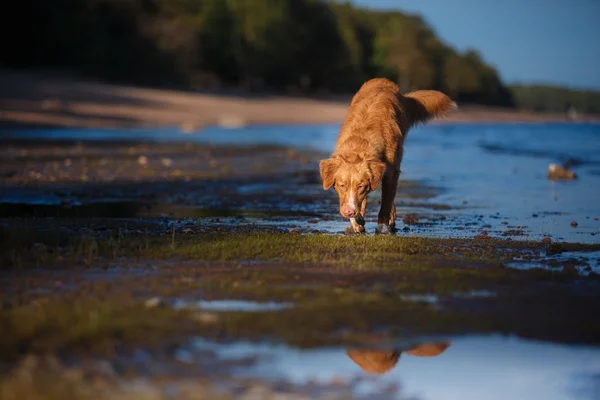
275 46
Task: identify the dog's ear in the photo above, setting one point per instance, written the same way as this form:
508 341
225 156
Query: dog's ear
377 169
328 168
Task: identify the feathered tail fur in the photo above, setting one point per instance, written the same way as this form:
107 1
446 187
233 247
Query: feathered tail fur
423 105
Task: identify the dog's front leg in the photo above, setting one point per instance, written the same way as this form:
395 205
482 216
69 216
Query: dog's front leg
386 221
358 223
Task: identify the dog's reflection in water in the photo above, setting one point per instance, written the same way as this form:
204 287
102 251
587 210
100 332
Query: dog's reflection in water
380 362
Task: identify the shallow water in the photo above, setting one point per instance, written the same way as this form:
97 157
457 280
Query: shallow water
490 177
477 367
233 305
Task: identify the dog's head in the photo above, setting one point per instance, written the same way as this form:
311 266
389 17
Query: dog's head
351 180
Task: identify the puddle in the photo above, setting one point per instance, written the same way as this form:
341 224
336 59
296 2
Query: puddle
435 300
583 262
463 368
233 305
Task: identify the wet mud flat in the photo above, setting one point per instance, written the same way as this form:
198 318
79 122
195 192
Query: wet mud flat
188 270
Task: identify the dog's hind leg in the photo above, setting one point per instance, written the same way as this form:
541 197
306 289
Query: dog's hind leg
386 220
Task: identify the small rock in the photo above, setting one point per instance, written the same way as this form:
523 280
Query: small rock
482 235
556 172
293 232
142 160
574 224
206 318
153 302
546 240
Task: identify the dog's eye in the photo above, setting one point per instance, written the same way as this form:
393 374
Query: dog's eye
361 188
342 186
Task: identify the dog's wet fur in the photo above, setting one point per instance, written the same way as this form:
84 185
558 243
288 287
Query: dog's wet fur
369 148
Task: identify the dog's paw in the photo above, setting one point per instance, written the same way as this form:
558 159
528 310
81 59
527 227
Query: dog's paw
383 229
352 230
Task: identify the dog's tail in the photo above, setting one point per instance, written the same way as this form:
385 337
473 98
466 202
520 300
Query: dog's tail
423 105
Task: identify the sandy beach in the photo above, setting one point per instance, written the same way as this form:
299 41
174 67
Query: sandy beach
43 99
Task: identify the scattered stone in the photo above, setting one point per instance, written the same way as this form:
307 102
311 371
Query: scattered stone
206 318
142 160
574 224
482 235
546 240
166 162
513 232
153 302
556 172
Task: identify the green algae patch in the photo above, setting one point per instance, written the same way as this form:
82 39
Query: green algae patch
26 246
86 323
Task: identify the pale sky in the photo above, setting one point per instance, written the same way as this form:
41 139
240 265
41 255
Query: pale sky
528 41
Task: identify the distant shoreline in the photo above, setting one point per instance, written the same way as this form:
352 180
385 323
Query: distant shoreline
28 99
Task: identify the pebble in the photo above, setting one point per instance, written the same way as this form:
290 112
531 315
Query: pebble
574 224
482 235
206 318
556 172
142 160
153 302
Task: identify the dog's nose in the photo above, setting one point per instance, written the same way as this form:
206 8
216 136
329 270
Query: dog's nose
348 212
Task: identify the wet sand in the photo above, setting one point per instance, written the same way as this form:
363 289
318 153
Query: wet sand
42 99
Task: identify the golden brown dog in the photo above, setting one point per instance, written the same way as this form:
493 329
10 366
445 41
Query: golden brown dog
370 145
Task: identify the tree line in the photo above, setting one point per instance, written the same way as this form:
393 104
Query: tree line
556 99
291 46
